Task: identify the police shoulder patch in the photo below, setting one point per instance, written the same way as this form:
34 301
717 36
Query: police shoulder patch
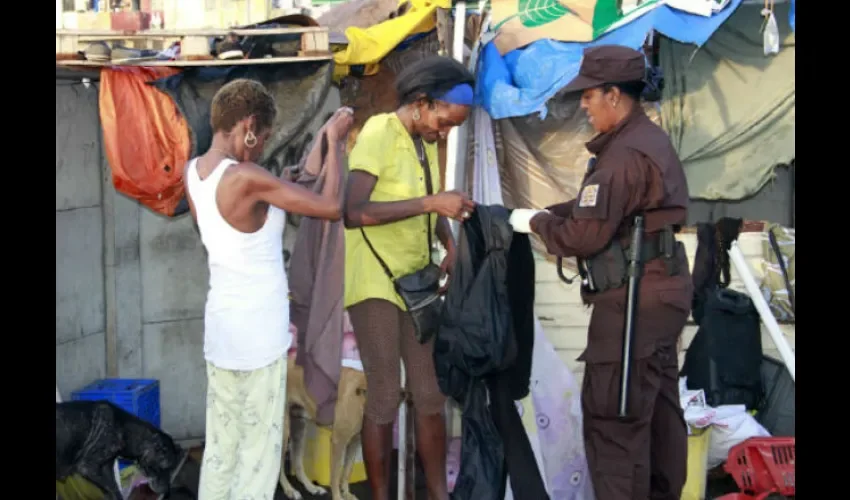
588 195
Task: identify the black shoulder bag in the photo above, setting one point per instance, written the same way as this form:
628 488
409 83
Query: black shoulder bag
419 290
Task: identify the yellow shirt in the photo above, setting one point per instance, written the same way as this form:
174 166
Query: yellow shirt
385 149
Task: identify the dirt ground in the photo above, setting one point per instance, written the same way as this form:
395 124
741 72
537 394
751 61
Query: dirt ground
186 484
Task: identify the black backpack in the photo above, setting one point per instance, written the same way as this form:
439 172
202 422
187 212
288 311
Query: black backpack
724 358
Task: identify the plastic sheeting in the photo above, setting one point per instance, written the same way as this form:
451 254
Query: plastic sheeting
368 46
145 137
729 109
792 19
520 23
523 80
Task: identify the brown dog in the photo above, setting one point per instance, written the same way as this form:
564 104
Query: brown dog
345 433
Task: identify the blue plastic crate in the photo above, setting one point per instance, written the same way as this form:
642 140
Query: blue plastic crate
138 396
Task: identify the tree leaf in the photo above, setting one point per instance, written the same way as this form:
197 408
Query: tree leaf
535 13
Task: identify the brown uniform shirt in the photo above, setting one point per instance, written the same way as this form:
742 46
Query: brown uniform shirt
636 170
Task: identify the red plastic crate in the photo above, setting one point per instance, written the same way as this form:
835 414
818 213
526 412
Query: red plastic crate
764 465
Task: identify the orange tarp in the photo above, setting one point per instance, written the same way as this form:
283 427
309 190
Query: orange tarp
145 137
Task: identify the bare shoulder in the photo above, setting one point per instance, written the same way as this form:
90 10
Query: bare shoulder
250 178
249 170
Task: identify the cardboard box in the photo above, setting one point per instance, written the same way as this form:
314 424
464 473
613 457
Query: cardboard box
94 21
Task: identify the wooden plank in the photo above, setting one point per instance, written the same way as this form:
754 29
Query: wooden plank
314 39
563 314
195 48
195 63
315 43
193 32
444 31
119 37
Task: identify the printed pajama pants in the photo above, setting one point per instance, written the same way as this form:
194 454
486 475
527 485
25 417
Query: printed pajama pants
242 453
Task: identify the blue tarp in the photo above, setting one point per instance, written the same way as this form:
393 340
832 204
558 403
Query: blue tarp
523 80
791 16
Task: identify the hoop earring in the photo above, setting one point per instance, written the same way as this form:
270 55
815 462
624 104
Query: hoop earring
250 139
416 115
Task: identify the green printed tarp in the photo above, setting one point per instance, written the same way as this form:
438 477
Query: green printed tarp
520 22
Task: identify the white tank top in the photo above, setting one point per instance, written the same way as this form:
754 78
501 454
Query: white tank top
246 321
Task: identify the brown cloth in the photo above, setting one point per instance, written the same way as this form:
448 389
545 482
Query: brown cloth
316 275
644 455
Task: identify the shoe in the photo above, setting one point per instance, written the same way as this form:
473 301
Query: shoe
230 50
98 51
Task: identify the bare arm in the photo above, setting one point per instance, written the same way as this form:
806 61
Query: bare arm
189 198
359 211
331 187
444 233
260 185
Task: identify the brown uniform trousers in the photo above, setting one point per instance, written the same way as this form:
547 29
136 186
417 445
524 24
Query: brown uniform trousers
643 455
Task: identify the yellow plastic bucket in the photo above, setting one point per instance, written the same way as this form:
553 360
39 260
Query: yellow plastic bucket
697 464
317 458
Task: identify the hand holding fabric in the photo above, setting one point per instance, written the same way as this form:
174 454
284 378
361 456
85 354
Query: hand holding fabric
340 124
452 204
520 219
447 267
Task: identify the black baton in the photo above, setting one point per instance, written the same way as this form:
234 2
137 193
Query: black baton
635 269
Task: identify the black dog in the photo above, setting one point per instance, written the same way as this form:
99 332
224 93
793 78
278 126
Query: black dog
91 435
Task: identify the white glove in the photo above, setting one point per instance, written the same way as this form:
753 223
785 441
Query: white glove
520 219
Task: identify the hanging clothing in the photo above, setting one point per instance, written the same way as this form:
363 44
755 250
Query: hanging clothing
483 351
316 272
725 356
551 414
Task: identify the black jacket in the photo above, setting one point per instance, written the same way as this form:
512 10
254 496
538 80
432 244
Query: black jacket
483 348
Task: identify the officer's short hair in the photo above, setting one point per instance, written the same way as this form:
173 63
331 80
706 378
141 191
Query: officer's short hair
633 89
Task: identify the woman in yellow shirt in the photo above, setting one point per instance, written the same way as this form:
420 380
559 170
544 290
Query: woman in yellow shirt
389 202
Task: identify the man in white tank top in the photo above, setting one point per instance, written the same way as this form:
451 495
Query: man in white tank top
240 210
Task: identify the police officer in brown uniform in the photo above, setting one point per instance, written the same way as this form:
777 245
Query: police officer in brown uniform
635 172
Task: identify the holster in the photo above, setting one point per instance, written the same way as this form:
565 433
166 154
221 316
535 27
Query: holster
609 268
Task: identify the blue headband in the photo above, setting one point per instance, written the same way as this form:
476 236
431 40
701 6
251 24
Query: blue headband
461 94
